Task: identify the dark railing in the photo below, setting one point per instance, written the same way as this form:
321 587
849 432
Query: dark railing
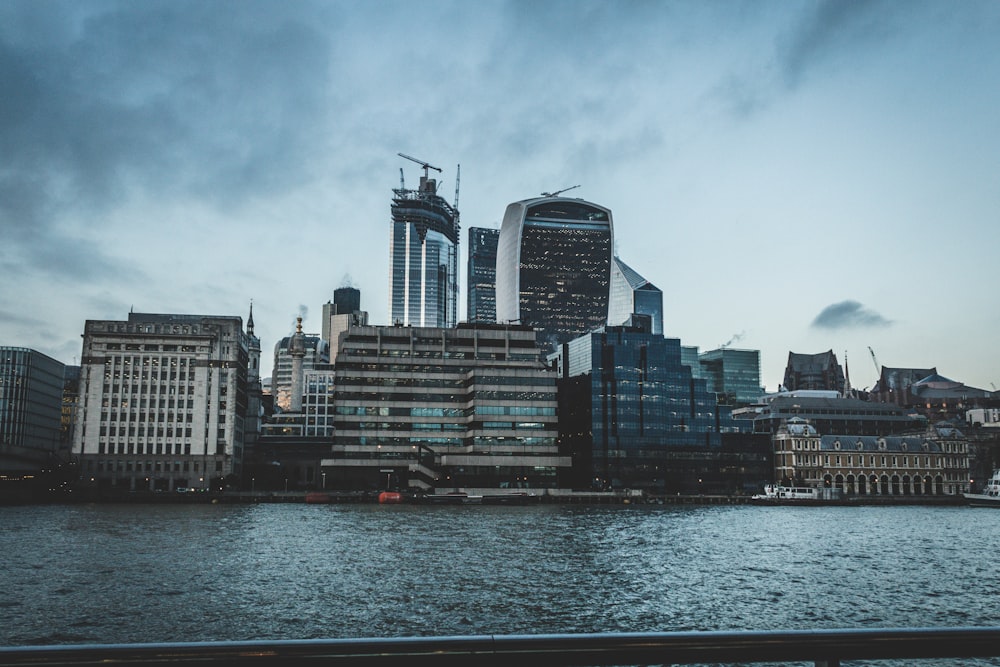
822 647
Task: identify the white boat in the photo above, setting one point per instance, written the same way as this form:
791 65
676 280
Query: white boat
777 493
990 497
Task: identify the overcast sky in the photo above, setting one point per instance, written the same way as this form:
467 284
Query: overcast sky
795 176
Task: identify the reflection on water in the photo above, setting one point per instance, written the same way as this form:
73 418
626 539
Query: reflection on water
109 573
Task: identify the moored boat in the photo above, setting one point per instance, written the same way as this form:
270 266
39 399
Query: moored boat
990 497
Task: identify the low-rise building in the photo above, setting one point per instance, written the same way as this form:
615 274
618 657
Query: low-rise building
931 462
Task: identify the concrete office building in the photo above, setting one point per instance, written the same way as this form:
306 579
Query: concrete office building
481 276
553 268
31 395
420 408
164 401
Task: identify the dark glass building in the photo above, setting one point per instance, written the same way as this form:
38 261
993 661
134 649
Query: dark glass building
31 391
481 280
633 416
734 375
553 268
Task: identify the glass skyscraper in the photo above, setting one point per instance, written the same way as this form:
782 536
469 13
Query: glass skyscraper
633 414
423 258
631 293
734 375
554 267
31 389
481 280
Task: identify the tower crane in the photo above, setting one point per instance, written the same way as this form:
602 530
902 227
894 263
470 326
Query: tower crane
423 164
878 369
559 192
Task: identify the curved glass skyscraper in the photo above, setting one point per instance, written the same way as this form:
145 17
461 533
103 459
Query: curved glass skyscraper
554 267
423 258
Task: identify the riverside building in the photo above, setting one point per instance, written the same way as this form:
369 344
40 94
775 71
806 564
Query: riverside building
164 401
930 462
553 267
421 408
633 415
31 396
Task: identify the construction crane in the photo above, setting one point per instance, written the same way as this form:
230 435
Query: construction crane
559 192
878 369
423 164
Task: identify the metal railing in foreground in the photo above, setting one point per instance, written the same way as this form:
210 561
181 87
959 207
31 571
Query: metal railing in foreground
823 647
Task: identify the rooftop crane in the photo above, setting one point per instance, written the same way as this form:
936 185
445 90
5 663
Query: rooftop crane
559 192
878 369
423 164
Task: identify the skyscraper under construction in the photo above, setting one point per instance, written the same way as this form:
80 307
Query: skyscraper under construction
423 255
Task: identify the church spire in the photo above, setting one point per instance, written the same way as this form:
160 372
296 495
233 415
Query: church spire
250 320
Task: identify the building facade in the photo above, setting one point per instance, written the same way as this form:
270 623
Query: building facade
734 375
163 401
633 294
346 301
814 372
314 352
442 409
423 258
933 462
553 269
829 412
632 414
481 277
31 396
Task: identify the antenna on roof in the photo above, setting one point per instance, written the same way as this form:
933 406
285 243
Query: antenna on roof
559 192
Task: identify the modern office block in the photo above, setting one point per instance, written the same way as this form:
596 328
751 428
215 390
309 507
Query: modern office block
31 395
554 260
633 294
444 408
481 277
734 375
633 415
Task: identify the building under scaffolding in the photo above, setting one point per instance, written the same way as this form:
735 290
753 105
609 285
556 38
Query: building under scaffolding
423 256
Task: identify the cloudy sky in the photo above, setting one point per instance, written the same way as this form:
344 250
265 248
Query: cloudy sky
794 175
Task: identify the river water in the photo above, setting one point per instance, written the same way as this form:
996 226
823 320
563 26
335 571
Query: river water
166 573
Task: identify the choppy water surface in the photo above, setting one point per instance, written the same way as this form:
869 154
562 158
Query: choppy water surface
117 573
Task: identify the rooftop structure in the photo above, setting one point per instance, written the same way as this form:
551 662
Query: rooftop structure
814 371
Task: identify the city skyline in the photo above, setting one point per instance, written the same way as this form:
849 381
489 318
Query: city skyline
796 177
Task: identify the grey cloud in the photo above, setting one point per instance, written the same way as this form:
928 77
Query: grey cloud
837 28
848 314
216 101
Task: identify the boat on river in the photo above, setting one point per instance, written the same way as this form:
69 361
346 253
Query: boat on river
776 493
990 497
